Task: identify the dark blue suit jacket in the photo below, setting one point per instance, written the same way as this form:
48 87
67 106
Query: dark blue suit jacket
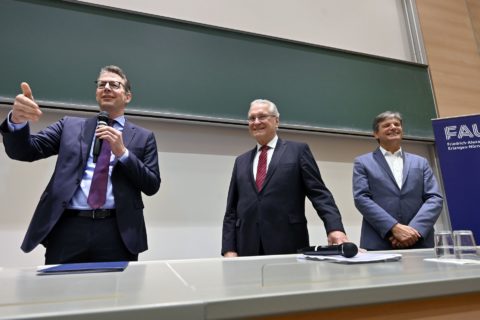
382 203
276 214
70 138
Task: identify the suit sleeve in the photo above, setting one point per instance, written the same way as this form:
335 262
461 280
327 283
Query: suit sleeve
144 172
375 215
321 198
21 145
428 213
229 242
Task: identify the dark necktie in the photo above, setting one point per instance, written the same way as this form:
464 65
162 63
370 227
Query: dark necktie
98 188
262 167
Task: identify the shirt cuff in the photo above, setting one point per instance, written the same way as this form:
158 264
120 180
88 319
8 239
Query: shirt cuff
14 126
124 156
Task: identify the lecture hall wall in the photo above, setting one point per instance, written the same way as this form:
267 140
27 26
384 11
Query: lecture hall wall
451 34
184 219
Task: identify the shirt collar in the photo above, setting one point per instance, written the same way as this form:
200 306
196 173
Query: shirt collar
398 153
271 144
120 120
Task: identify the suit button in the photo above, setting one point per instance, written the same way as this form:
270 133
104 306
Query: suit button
78 181
64 204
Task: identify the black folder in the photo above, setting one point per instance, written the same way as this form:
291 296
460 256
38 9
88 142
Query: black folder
113 266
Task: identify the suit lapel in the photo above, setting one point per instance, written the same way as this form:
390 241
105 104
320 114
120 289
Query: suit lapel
128 133
380 159
406 167
88 130
250 168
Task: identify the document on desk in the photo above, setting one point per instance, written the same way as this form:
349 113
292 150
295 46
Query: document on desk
361 257
69 268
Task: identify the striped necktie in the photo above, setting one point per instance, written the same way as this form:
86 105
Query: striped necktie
262 167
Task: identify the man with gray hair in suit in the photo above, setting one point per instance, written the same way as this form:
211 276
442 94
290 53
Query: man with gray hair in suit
395 191
265 211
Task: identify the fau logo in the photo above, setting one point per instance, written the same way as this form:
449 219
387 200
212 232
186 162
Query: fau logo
462 131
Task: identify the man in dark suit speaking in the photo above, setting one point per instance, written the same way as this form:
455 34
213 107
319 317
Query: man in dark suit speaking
265 211
92 209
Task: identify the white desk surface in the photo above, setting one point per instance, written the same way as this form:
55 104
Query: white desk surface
220 288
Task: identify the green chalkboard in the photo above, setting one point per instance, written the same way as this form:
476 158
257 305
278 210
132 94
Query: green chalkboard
188 71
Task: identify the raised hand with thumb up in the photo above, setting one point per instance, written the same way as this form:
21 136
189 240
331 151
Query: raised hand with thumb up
24 106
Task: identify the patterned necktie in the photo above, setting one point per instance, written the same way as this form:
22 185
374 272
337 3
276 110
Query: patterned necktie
98 188
262 167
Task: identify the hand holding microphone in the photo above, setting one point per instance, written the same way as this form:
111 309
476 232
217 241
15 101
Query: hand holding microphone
97 145
346 249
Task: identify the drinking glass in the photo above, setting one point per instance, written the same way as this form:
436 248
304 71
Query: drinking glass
444 245
464 245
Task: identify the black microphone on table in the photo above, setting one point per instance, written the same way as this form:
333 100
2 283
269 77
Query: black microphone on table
97 145
346 249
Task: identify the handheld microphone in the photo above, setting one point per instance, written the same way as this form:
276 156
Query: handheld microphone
97 145
346 249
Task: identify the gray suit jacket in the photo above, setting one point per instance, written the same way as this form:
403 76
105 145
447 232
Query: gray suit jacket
383 204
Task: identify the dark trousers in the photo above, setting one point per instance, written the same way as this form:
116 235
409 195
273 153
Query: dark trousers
80 239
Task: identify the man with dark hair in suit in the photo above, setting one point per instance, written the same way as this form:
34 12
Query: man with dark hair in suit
395 191
266 200
77 219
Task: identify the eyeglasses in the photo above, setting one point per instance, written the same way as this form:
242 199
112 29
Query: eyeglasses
260 118
114 85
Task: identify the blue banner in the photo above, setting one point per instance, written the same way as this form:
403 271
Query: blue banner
457 141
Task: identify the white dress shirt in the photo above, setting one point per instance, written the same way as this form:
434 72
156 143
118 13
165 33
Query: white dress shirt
395 162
